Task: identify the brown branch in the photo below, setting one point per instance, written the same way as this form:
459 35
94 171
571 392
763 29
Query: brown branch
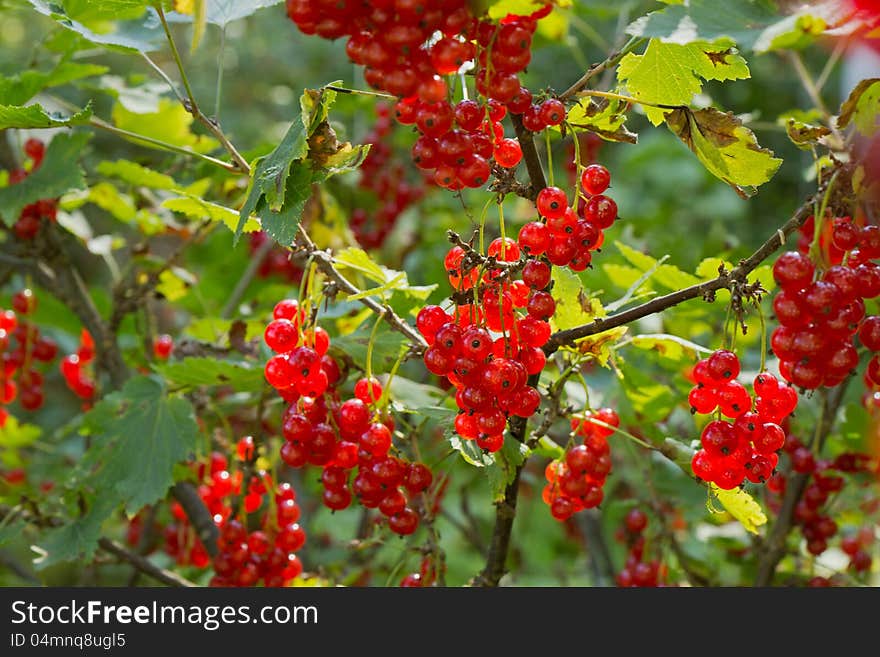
324 261
706 290
774 548
140 562
612 60
192 107
199 515
530 157
505 510
143 564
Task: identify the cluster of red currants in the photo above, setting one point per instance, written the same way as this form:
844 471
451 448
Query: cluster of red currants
341 436
28 223
21 379
386 179
277 261
78 371
565 237
490 372
408 47
747 447
245 555
576 481
637 572
820 312
811 513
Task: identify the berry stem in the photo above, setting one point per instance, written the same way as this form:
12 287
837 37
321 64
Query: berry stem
370 344
549 149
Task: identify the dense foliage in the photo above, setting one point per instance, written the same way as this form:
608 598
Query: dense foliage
421 293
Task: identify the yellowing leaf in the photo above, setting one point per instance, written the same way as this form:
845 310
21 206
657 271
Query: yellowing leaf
741 506
171 124
725 146
599 345
602 116
668 346
174 283
573 307
672 74
184 6
862 107
198 208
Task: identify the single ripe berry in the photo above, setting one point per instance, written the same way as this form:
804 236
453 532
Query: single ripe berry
552 202
595 179
163 346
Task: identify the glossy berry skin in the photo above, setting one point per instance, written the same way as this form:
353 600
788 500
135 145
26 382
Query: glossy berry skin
552 202
163 346
595 179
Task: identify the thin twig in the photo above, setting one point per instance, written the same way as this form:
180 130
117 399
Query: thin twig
324 261
143 564
701 290
192 106
612 60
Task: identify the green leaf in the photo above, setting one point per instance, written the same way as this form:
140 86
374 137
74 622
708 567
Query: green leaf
20 88
753 24
725 146
196 207
386 347
281 182
77 539
14 434
135 174
668 346
671 74
35 116
469 451
573 306
138 434
57 175
507 461
500 8
143 34
669 276
193 372
862 107
90 11
408 396
222 12
359 262
709 268
171 124
282 225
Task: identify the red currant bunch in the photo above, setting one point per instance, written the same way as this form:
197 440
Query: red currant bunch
565 237
28 223
21 349
747 446
576 481
408 49
637 571
821 309
342 436
488 350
